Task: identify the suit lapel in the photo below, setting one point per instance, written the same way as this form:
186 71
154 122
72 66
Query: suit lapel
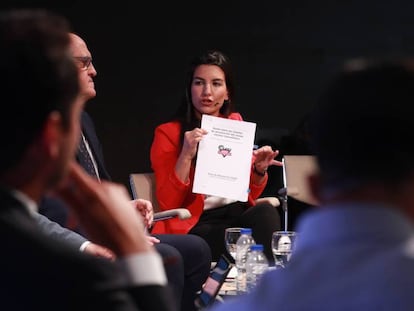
94 144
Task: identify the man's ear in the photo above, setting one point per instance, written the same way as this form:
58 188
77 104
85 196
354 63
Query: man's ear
52 134
314 182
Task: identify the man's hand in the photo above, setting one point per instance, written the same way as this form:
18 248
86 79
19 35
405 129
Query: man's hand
152 240
144 207
105 211
99 251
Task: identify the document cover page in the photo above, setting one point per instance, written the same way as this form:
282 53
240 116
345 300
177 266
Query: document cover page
224 158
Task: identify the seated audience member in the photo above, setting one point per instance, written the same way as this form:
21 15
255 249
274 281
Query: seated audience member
355 251
40 79
187 258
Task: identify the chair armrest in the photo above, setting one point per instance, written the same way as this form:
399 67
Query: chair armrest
181 213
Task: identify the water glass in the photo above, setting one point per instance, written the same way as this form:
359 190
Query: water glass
283 243
230 238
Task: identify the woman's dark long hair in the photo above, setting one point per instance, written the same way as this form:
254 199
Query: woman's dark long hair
185 113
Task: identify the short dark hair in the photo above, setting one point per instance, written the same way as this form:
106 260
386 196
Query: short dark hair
37 77
362 129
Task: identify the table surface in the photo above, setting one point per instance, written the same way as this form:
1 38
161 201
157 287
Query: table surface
229 286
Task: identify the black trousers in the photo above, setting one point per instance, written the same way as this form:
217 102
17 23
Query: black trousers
264 219
187 261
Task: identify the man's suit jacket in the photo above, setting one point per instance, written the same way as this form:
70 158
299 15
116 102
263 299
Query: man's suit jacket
88 130
56 231
34 264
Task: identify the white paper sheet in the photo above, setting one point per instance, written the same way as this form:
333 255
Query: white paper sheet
224 158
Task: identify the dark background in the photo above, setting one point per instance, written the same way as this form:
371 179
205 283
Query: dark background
284 53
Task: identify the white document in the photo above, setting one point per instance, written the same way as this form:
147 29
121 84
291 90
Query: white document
224 158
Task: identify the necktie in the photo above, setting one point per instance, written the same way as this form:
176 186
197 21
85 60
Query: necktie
85 159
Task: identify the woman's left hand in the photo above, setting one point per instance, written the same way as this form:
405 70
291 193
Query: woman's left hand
265 157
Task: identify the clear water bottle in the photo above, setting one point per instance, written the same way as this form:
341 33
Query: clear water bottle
242 248
256 265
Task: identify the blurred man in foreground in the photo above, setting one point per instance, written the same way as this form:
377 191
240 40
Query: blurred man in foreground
40 132
355 252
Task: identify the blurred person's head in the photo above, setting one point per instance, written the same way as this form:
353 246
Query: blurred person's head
39 126
363 134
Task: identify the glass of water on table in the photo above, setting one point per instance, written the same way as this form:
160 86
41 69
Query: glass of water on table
231 235
230 238
283 243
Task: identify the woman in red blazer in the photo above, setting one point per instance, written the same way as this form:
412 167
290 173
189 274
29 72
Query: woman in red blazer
209 90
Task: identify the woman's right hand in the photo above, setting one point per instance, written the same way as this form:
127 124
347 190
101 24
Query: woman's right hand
191 140
188 152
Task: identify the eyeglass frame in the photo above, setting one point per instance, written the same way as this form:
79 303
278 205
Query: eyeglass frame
86 61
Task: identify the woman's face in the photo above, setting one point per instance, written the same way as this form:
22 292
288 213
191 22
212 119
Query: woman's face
208 90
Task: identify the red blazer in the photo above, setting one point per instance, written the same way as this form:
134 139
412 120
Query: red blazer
172 192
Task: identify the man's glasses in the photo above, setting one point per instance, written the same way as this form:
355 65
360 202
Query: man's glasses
83 62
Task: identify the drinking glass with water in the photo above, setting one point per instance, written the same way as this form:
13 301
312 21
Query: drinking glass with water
231 235
283 243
